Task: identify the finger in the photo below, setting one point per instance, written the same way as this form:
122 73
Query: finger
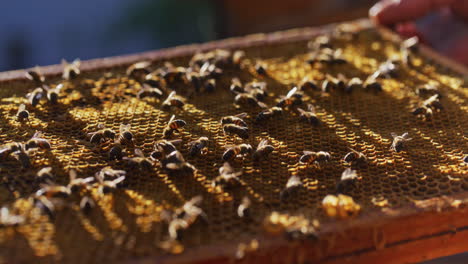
460 8
394 11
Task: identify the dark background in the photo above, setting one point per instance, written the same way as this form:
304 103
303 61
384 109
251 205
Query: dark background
43 32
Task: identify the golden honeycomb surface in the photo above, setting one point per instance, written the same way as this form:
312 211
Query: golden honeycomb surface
127 222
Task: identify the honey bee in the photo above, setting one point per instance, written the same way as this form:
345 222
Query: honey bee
238 150
53 94
140 161
340 206
53 191
22 113
199 146
294 97
237 57
261 69
181 218
125 135
347 181
228 178
387 69
320 42
191 210
292 186
433 102
425 111
406 47
7 149
194 78
108 172
235 119
268 114
173 125
242 132
46 205
163 148
37 142
246 99
75 184
87 204
172 100
147 91
22 155
210 71
7 218
355 157
256 89
243 210
175 164
71 70
139 70
310 157
308 84
353 84
371 84
101 134
107 186
35 96
263 150
399 141
309 116
236 86
45 175
210 85
115 153
428 90
36 76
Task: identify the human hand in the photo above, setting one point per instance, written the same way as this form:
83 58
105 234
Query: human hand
442 24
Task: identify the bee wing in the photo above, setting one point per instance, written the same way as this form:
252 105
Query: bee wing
311 108
291 92
124 128
76 62
172 166
241 115
63 62
262 143
139 153
59 87
405 135
100 126
72 173
22 107
300 110
226 168
88 179
262 105
172 94
172 119
294 181
348 174
37 134
119 180
176 141
394 135
306 152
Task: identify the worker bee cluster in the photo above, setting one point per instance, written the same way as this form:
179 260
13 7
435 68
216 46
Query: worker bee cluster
222 140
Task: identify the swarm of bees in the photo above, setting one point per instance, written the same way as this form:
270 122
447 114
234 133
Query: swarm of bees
202 75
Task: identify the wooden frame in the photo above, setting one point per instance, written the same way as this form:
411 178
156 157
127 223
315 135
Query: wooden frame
420 231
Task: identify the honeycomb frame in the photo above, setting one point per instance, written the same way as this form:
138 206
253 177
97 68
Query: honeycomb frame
436 220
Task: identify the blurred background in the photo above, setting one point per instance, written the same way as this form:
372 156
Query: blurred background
43 32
